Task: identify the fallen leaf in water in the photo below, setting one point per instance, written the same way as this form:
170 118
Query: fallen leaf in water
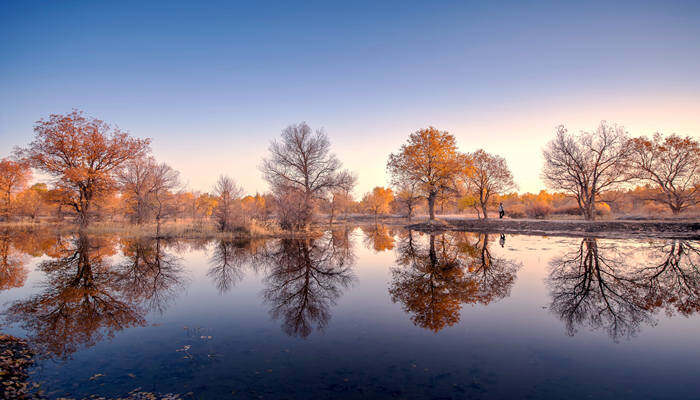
92 378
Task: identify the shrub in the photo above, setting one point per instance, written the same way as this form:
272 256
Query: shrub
567 210
539 210
602 209
516 211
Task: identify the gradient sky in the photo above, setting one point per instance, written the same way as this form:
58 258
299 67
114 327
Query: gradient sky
213 84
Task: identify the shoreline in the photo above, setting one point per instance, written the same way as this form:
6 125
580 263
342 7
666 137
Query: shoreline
570 228
666 229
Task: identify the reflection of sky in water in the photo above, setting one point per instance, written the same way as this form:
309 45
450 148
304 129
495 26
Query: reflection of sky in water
370 346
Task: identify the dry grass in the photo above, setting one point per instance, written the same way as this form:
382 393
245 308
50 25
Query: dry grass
180 229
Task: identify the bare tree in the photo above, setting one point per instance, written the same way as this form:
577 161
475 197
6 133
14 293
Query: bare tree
488 176
228 194
149 184
301 164
587 164
134 180
407 197
672 164
164 180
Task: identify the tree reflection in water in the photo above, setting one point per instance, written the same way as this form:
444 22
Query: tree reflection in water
17 245
304 279
494 275
433 280
602 287
85 298
672 279
150 275
230 259
13 272
378 237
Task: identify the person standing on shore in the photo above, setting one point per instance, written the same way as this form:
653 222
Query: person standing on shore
501 211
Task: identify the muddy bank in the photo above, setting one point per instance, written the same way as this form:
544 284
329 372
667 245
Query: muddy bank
615 228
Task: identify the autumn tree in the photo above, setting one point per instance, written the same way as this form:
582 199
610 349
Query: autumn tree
58 198
378 201
301 165
33 200
340 200
206 204
429 159
407 198
14 176
488 176
587 164
672 164
228 206
82 154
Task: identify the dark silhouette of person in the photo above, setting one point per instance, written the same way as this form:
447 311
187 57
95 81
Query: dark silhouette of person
501 211
502 240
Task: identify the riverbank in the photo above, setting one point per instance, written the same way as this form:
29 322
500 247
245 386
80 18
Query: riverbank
576 228
169 230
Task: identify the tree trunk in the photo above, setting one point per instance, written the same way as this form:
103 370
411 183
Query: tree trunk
483 210
675 209
83 214
7 206
589 212
431 205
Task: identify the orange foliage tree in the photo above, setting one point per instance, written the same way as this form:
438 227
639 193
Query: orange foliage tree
378 201
430 159
14 175
33 200
82 154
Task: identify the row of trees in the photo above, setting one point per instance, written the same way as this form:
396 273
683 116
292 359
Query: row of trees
96 167
590 164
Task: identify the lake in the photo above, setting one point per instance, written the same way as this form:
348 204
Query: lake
370 312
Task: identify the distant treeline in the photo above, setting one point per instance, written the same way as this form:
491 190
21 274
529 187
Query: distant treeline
99 172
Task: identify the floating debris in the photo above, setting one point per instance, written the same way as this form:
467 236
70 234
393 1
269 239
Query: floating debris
92 378
15 359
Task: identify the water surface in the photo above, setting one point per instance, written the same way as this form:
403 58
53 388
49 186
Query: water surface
357 313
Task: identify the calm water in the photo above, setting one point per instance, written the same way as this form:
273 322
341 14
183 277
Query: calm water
358 313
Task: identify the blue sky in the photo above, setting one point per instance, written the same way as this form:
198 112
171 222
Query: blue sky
213 84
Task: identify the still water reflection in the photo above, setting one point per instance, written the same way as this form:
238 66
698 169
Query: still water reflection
366 312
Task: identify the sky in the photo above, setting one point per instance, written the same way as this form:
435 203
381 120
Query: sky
212 84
